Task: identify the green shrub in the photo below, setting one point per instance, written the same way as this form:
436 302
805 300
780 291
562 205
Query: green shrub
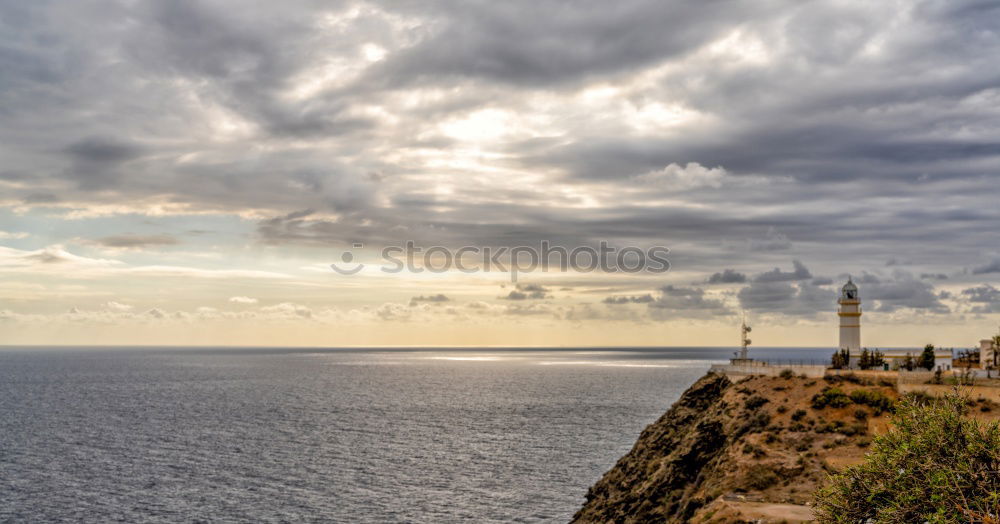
854 429
877 400
935 465
798 414
860 414
833 397
786 373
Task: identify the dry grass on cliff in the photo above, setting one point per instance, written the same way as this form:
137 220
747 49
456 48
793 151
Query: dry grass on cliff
729 451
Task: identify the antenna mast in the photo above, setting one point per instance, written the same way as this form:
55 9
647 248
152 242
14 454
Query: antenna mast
744 341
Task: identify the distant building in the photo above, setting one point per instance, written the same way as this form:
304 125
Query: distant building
894 358
850 319
850 335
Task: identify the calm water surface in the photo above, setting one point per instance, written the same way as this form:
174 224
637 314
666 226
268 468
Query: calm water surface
271 435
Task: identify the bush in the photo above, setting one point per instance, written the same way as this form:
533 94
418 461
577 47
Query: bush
755 402
878 401
760 477
860 414
918 397
798 414
833 397
854 429
750 449
934 466
757 423
786 373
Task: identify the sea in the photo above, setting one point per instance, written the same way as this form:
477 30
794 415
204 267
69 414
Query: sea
157 434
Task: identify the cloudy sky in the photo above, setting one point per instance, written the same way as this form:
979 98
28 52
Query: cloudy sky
185 172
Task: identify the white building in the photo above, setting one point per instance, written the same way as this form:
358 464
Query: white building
850 335
895 358
850 319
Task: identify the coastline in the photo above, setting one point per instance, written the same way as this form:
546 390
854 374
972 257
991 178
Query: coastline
753 448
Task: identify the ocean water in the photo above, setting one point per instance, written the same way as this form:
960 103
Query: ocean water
340 435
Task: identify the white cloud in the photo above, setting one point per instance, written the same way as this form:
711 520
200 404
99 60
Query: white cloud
55 259
118 306
243 300
12 235
691 176
288 310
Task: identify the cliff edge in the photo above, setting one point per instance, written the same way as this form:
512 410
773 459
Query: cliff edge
754 450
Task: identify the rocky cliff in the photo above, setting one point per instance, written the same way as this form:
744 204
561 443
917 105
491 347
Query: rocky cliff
754 450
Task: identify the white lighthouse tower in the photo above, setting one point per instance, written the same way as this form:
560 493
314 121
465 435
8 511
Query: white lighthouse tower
850 318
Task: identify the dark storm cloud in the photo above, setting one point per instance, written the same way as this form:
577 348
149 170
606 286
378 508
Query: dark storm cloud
429 299
527 292
905 292
785 297
249 55
991 267
95 161
540 43
799 272
628 299
103 150
796 297
984 298
985 293
685 302
728 276
866 278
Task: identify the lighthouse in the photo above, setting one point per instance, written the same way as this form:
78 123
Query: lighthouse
850 318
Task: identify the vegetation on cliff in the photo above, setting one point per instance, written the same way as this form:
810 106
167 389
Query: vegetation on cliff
727 450
936 466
